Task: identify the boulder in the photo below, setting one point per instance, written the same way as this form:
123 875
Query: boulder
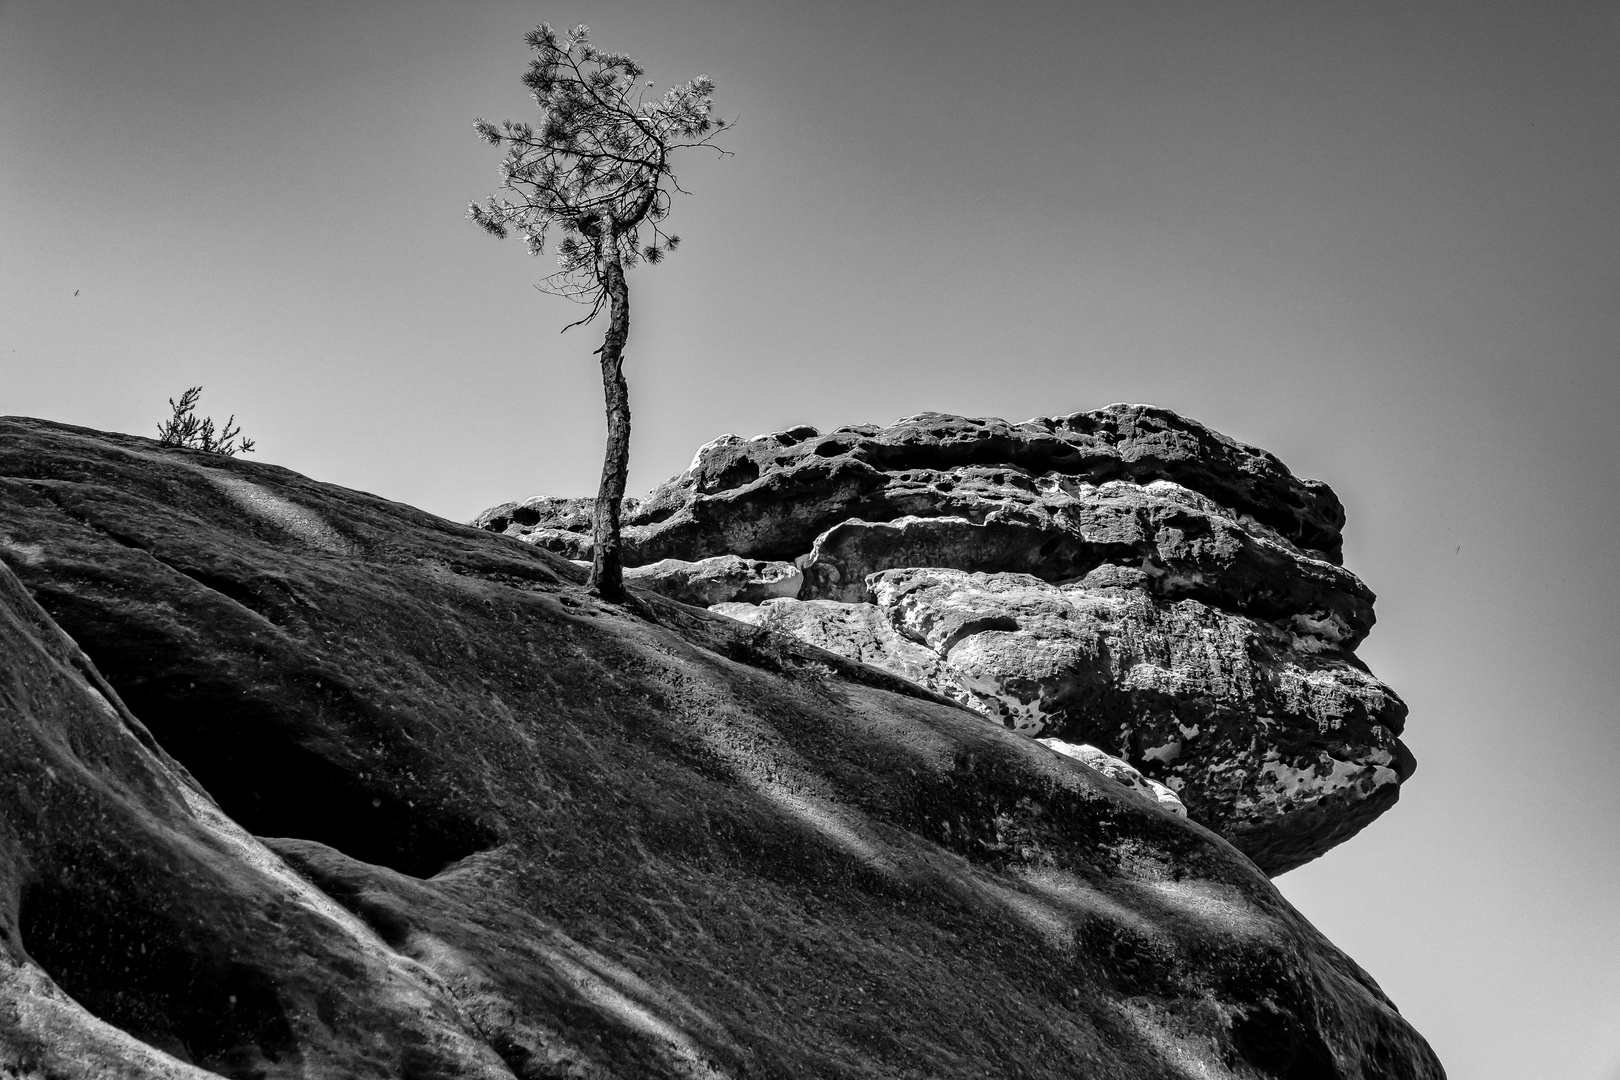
297 781
1126 573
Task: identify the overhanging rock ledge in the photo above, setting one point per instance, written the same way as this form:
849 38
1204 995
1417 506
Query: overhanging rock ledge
1126 578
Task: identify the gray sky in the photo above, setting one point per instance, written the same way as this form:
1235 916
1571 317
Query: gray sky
1379 239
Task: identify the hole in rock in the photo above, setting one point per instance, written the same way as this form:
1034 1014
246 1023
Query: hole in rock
1283 1047
795 435
739 474
980 626
275 762
272 786
525 515
280 747
140 970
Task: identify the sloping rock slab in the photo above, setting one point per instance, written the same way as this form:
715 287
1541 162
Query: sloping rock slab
144 932
512 829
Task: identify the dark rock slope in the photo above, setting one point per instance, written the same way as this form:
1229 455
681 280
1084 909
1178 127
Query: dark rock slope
298 782
1125 578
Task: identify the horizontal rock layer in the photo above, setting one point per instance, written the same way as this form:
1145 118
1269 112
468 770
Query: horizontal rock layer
495 828
1126 575
1118 771
769 497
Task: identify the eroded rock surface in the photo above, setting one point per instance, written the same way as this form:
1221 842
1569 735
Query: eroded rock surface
1126 577
337 788
1284 743
769 497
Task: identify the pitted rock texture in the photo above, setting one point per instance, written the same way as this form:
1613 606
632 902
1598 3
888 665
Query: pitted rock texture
769 497
1138 581
298 782
1281 742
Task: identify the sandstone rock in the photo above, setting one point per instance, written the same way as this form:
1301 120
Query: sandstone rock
857 631
1055 497
722 579
561 526
1184 543
769 497
571 515
1279 741
503 829
1127 497
1118 771
146 935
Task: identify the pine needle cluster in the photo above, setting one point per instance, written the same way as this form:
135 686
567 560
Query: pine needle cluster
184 428
595 171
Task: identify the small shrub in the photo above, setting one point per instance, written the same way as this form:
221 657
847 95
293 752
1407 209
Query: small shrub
184 429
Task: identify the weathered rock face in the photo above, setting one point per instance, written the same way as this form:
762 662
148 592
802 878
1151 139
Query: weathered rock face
1125 578
770 497
1289 746
335 788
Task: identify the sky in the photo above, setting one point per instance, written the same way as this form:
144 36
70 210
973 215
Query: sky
1378 238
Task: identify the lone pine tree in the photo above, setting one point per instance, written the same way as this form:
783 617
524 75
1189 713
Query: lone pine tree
595 173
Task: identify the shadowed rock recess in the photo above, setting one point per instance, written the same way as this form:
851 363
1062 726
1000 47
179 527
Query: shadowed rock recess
298 782
1125 579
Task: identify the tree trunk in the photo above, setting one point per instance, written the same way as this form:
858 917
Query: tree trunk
607 563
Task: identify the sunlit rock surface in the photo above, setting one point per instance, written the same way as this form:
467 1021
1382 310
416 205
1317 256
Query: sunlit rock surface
718 580
1285 748
298 782
1125 578
1118 771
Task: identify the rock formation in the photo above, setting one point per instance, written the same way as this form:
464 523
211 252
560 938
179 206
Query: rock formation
722 579
301 782
1125 578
